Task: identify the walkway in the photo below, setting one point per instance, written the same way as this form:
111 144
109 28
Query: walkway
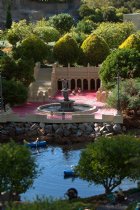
84 97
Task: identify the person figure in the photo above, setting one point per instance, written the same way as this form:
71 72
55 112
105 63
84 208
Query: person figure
73 92
51 114
79 90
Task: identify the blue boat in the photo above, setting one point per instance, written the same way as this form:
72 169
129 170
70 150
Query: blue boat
69 173
35 144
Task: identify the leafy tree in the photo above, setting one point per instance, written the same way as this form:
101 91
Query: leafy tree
85 26
18 32
66 50
78 35
109 14
99 162
133 41
114 33
24 71
129 95
14 92
126 61
97 4
62 22
31 48
47 33
8 67
8 17
84 11
95 49
17 168
20 70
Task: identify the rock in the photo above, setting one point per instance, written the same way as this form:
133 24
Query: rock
109 127
42 125
98 134
109 134
55 127
48 129
82 127
117 128
66 132
59 131
19 130
102 129
79 133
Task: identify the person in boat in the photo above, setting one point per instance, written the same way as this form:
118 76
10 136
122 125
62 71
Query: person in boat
72 193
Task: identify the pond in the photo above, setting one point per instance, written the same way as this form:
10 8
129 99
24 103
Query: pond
53 160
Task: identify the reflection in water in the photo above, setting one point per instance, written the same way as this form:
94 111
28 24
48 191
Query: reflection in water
53 161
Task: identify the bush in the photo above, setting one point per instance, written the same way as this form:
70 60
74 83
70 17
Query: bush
66 50
95 49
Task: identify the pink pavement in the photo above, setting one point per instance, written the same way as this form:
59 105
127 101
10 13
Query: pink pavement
86 97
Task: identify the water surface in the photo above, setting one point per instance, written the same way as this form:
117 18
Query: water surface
51 183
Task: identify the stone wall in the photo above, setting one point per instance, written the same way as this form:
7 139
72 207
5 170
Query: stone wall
32 11
134 18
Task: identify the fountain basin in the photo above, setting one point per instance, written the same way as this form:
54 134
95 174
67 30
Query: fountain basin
76 107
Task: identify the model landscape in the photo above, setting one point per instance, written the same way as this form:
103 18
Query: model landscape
69 86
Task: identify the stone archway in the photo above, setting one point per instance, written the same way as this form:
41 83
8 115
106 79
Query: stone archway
72 84
79 83
85 84
98 83
92 84
59 85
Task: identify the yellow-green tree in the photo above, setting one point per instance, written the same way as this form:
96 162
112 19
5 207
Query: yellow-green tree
133 41
95 49
66 50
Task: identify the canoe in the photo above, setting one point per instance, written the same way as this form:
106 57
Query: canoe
69 173
35 144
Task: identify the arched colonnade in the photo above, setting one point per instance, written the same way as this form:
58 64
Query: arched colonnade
83 84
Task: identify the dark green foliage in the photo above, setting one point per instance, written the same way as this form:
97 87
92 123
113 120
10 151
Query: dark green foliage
31 48
114 33
20 69
95 49
66 50
99 162
129 95
86 26
126 61
8 67
14 92
8 17
50 204
17 168
62 22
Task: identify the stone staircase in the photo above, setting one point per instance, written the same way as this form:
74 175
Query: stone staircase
40 89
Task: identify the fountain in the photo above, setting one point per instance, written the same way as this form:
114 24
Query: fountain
65 105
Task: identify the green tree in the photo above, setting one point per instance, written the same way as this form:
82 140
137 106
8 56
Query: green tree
19 31
7 67
129 95
62 22
99 162
47 33
66 50
126 61
17 168
133 41
8 17
31 48
95 49
114 33
85 26
14 92
21 69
